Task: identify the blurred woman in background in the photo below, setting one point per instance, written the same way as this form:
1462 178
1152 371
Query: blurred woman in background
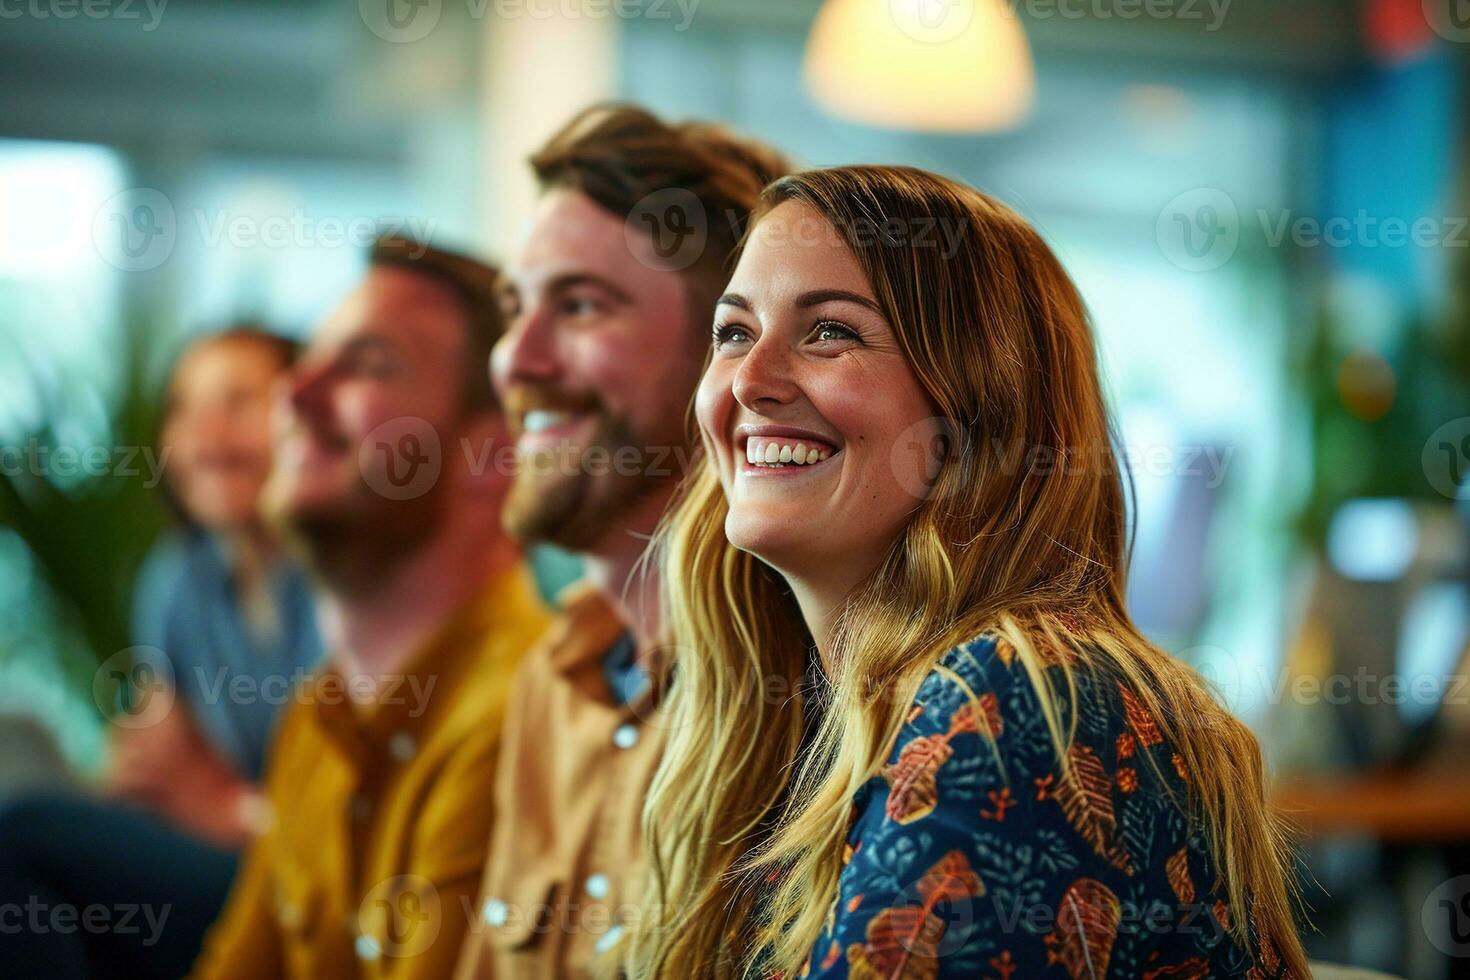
913 731
216 595
225 627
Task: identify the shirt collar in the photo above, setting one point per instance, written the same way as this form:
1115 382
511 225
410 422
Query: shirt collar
625 677
588 632
408 699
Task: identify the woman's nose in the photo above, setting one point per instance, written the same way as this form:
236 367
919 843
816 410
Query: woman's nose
766 375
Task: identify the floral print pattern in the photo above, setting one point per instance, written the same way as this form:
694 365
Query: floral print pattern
984 857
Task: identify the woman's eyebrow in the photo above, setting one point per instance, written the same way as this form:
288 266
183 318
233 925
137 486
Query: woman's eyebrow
813 298
818 296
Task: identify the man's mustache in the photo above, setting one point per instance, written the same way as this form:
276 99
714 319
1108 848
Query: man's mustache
525 398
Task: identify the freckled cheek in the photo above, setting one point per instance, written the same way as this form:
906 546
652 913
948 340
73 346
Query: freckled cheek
873 416
713 402
850 407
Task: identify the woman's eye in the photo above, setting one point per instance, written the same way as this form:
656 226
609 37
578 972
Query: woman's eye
828 330
730 334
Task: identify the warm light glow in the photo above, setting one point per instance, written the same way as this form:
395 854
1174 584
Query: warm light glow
939 65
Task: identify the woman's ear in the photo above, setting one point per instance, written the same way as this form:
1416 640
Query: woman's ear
921 451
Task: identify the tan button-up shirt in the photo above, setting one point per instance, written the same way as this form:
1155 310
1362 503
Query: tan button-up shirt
381 810
564 872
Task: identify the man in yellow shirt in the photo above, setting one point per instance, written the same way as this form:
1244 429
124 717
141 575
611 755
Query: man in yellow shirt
376 815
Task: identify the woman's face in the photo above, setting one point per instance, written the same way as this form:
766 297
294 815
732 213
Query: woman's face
818 427
216 431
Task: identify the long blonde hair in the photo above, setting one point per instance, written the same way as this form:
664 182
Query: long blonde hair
744 830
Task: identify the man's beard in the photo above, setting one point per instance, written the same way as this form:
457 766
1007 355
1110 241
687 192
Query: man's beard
573 508
358 540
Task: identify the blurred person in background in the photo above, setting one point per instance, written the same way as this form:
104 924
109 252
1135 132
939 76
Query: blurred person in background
219 598
379 780
217 603
609 303
984 768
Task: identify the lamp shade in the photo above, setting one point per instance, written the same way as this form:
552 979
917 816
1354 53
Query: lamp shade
953 66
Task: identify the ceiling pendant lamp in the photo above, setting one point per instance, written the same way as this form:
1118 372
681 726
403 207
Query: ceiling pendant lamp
949 66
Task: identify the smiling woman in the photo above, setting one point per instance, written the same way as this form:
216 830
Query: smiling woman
912 512
805 359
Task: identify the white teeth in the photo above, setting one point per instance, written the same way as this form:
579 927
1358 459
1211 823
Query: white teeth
761 453
538 420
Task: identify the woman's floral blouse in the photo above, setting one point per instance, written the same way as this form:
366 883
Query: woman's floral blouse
954 870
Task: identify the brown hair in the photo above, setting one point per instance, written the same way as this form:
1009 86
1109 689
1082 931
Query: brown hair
999 338
476 285
284 349
620 155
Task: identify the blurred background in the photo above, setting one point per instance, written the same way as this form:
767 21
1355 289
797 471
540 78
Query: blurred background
1263 202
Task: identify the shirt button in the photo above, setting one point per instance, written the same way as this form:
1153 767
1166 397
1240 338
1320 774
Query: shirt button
291 916
609 939
401 746
495 913
362 807
626 736
596 886
366 948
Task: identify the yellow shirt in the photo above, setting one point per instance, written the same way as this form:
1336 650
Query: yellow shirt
381 814
565 870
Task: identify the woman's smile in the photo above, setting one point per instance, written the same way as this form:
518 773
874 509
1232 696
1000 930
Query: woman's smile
780 450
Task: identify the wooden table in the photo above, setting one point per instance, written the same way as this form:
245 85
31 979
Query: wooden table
1417 808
